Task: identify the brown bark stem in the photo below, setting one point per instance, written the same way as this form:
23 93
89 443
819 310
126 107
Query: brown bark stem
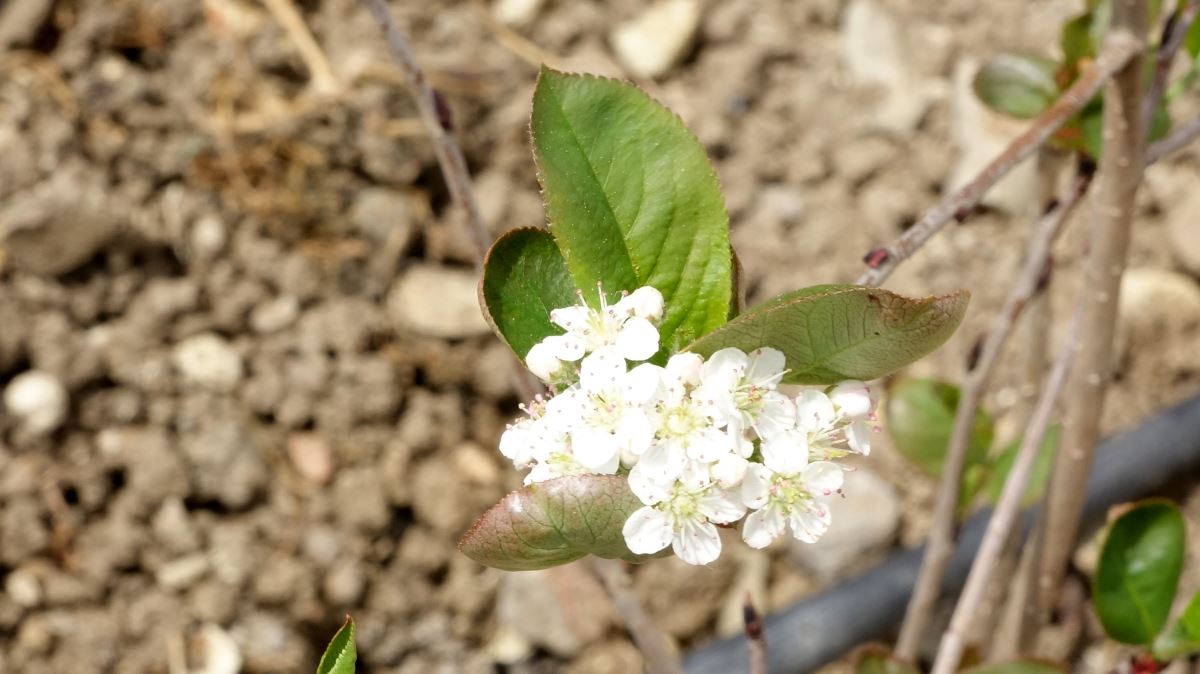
881 262
1118 178
653 643
941 535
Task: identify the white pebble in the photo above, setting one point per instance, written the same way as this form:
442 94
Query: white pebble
38 399
209 361
657 40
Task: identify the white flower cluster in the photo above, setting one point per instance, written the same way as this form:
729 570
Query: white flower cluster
703 442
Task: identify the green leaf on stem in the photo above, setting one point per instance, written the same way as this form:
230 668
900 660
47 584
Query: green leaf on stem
1076 40
1183 637
341 654
875 659
1002 465
920 418
555 522
831 333
524 278
1025 666
632 199
1139 570
1018 85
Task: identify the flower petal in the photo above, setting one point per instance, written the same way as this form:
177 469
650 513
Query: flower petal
572 319
809 524
569 347
858 436
650 487
730 470
724 368
642 384
762 527
719 507
852 398
708 444
637 339
765 367
756 485
787 452
697 543
647 531
542 361
822 478
686 367
594 447
664 461
602 371
778 413
814 411
645 302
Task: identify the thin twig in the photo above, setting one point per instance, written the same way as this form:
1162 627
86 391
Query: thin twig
324 80
1018 617
756 641
1173 36
881 262
1116 189
1181 136
1004 518
941 535
654 645
436 117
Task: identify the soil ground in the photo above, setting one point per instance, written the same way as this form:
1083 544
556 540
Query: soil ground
248 292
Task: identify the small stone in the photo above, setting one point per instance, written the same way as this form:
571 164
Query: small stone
655 41
274 315
172 527
226 463
179 574
344 584
380 214
438 301
209 361
220 653
310 454
507 646
1155 302
208 237
476 465
38 399
516 12
531 603
865 518
23 587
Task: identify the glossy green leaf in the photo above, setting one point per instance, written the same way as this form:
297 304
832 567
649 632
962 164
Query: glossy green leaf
879 660
341 654
836 332
1018 85
632 199
554 522
524 278
920 417
1025 666
1183 637
1139 571
1042 466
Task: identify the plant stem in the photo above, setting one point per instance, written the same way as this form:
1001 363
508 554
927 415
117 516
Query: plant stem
941 534
1004 518
1117 51
654 645
755 639
436 118
1173 36
1181 136
1117 183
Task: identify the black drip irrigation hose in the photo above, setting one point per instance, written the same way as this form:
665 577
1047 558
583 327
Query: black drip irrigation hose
825 626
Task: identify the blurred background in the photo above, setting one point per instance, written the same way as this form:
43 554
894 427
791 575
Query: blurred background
246 384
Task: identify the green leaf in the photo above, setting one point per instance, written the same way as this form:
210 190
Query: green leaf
1018 85
1183 638
1191 41
1139 571
832 333
1076 39
524 278
1026 666
920 417
1091 126
340 655
555 522
1042 465
632 199
879 660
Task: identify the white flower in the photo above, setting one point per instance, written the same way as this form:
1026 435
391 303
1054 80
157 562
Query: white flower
684 429
740 388
680 514
605 413
625 326
852 398
831 433
788 490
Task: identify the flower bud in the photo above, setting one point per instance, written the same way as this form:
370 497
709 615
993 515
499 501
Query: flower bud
542 362
645 302
686 367
852 398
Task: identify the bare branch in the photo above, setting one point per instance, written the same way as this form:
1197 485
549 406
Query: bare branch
1004 518
1118 178
654 645
1173 35
756 641
436 117
881 262
941 535
1180 137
